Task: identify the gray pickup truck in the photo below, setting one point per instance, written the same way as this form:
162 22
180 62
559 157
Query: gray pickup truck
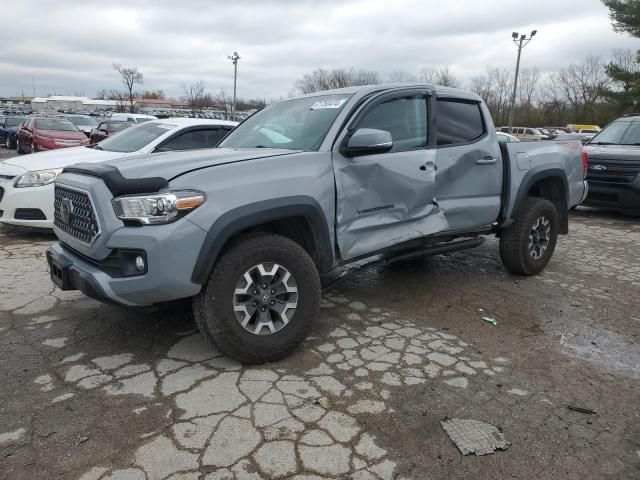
300 188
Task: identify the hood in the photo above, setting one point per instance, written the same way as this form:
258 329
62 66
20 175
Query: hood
61 135
12 129
613 152
172 164
60 158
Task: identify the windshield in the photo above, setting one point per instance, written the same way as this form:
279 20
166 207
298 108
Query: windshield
14 121
83 121
612 133
299 124
134 138
56 124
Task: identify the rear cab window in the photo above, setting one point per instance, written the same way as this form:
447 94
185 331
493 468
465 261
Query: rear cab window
458 122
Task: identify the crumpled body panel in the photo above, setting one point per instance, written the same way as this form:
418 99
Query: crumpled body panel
385 200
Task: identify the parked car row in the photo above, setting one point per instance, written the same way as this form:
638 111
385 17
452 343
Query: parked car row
8 129
39 134
529 134
26 183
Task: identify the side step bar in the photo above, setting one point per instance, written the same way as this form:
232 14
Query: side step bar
437 249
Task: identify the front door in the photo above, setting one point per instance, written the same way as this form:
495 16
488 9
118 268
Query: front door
385 199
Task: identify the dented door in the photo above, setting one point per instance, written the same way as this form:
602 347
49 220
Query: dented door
386 199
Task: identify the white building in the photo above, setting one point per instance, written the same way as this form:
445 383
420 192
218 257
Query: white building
61 102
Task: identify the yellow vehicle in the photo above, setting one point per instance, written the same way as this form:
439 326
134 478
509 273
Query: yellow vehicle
577 128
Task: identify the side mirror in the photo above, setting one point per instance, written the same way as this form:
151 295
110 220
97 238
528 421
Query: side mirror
103 130
367 141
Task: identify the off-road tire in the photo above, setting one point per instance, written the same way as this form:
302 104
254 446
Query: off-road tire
514 239
213 307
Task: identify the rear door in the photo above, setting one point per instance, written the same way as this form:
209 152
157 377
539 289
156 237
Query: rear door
385 199
469 165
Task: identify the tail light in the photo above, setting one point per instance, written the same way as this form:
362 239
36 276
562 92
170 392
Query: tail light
585 163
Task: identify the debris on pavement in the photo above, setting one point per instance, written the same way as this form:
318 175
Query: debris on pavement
491 320
473 436
588 411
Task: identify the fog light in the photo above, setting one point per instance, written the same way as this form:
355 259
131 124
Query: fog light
140 263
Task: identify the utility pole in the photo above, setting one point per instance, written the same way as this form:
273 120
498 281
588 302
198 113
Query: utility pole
520 43
234 58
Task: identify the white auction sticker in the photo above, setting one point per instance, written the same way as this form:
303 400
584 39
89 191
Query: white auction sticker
328 103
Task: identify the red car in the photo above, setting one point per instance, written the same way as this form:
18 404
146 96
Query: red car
106 128
40 134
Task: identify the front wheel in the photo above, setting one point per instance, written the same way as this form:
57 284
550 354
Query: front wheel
18 147
527 245
261 299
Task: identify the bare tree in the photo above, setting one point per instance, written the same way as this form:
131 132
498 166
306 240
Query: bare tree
102 94
400 76
446 78
428 75
495 89
582 85
120 98
438 76
527 91
225 101
320 79
154 94
194 95
130 77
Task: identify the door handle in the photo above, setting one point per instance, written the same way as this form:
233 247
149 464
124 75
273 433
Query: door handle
486 161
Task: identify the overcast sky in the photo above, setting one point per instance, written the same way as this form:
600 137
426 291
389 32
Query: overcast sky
69 46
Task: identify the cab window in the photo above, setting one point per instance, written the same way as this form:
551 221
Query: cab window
458 122
405 118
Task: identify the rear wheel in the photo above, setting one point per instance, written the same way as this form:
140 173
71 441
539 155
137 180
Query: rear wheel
528 244
261 299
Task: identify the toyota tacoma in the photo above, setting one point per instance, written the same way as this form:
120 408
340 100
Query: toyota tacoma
300 188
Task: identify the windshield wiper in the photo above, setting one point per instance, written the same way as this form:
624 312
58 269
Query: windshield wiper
601 143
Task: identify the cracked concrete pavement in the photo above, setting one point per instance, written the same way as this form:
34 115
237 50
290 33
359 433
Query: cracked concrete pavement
96 392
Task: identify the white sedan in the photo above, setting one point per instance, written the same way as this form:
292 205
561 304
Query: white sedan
26 183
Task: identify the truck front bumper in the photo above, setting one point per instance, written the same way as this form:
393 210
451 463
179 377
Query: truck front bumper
170 252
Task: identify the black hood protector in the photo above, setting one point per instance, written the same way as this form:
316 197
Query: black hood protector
115 182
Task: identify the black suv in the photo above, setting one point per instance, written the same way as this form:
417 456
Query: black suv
614 166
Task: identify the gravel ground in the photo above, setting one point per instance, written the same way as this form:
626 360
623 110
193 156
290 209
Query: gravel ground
92 391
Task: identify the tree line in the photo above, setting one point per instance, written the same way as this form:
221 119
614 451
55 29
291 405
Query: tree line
586 92
591 91
195 95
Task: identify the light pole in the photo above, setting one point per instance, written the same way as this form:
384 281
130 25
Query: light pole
234 58
520 43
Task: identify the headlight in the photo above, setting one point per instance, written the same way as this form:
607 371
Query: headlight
157 208
37 178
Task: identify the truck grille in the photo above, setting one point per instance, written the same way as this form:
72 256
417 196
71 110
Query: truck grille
616 171
74 215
